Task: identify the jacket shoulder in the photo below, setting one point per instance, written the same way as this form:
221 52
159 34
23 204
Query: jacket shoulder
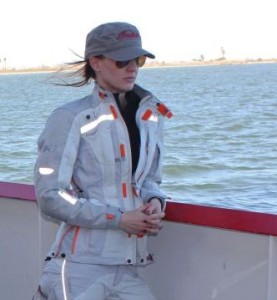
77 106
151 99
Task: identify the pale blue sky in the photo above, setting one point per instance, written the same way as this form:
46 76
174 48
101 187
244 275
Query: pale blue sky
36 32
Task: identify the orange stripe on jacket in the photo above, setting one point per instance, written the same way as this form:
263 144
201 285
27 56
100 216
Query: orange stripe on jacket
122 150
76 233
113 110
62 238
110 216
124 189
147 114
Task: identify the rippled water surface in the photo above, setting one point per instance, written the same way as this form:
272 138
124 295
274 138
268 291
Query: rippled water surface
221 144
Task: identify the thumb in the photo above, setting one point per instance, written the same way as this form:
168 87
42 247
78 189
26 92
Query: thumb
148 209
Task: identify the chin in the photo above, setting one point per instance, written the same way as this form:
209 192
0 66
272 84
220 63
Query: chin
126 88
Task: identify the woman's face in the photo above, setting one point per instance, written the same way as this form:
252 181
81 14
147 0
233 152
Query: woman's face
112 78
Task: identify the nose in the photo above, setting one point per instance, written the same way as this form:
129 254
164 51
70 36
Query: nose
132 66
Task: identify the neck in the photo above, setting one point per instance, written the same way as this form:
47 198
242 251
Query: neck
121 98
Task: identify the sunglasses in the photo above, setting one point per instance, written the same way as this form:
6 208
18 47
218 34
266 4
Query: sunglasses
139 61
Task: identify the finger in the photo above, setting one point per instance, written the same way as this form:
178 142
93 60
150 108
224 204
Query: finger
153 222
156 216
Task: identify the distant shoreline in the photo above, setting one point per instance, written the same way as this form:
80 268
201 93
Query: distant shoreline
154 64
219 62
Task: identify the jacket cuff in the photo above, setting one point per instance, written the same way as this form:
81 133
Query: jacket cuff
113 216
162 201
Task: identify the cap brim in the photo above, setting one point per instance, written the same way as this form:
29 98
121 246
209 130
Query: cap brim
128 53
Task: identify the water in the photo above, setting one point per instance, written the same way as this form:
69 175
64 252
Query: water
221 144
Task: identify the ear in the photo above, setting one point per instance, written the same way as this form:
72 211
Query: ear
94 63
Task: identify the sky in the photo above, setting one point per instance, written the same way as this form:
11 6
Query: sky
36 33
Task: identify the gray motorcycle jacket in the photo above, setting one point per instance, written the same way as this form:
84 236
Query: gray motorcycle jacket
83 176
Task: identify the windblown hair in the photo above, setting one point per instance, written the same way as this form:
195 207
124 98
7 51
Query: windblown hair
80 71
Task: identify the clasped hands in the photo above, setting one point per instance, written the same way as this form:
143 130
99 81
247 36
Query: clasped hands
144 220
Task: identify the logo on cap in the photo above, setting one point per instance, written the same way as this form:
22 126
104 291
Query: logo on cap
127 35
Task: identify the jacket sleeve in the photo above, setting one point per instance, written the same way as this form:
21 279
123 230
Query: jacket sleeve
57 151
150 187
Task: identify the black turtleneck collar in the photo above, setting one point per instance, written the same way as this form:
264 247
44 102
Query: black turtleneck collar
128 112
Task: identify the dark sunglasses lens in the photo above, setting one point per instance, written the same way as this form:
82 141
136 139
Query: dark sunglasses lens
122 64
139 61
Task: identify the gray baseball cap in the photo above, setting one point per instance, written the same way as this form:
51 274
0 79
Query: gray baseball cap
118 41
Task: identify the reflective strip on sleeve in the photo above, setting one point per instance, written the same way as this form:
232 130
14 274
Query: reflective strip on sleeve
45 171
67 197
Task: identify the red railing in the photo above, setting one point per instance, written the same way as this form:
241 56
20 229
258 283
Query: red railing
232 219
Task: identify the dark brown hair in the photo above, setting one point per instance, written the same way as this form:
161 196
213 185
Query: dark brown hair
80 71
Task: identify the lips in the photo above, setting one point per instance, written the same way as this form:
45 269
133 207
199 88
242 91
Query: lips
130 79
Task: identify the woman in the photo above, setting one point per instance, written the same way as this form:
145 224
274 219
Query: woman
98 171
